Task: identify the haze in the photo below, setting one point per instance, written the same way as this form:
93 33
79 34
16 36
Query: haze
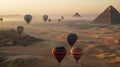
56 7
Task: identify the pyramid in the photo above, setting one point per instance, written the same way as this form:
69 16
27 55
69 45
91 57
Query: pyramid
109 17
76 15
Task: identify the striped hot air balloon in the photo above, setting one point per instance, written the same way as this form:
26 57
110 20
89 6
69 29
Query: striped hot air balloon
59 53
76 52
71 39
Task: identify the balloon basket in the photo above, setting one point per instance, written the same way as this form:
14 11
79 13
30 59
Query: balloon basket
59 64
76 62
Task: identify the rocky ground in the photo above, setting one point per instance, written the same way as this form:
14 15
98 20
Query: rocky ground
12 38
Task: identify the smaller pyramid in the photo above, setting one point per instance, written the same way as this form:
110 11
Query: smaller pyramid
76 15
110 16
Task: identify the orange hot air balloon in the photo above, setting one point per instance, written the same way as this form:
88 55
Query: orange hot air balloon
71 39
76 52
59 53
28 18
20 29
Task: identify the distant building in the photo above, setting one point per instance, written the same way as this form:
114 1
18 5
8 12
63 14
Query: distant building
76 15
109 17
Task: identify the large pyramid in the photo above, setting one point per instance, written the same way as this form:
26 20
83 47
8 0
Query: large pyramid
109 17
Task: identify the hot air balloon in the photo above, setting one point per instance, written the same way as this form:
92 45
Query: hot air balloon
71 39
45 18
59 20
62 17
49 20
28 18
59 53
20 29
76 52
1 19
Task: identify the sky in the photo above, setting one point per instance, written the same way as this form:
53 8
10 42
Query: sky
56 7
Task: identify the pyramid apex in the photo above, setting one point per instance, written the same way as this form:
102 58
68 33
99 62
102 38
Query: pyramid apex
76 15
110 6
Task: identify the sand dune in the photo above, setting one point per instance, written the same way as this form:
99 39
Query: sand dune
96 53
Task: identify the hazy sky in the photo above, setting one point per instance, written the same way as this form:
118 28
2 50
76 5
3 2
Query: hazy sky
56 7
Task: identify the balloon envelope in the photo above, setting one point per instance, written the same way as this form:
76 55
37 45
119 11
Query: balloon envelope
71 39
59 53
45 18
28 18
49 20
76 52
62 17
59 20
20 29
1 19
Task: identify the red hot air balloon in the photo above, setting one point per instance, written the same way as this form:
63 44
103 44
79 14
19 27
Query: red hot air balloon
76 52
71 39
59 53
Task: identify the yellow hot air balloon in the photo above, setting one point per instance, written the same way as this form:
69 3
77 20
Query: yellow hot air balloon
76 52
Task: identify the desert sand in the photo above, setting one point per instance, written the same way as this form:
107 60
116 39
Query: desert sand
93 39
